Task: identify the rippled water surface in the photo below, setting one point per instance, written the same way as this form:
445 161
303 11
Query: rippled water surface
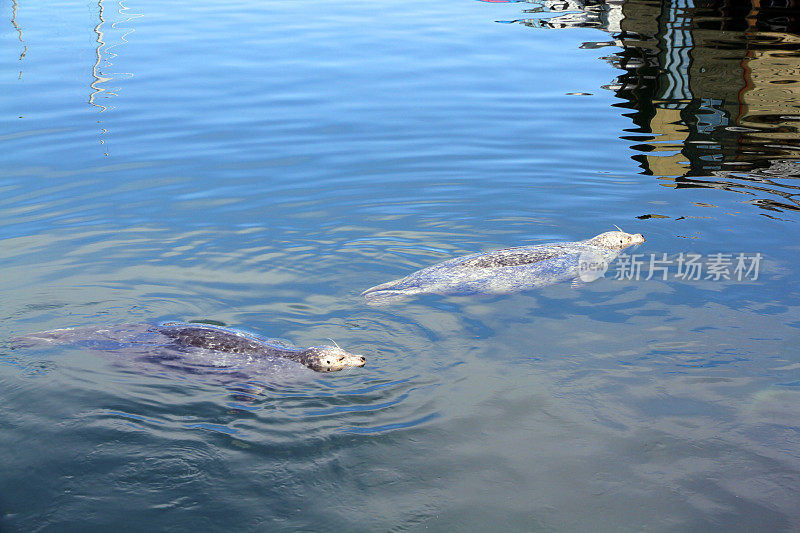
259 164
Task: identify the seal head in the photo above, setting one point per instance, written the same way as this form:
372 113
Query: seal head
616 240
328 358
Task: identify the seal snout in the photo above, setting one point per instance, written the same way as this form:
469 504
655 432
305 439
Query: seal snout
354 360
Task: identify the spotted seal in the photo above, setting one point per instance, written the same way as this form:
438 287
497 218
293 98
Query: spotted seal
195 346
510 269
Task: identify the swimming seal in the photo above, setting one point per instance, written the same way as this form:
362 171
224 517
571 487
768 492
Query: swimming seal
510 269
196 344
319 358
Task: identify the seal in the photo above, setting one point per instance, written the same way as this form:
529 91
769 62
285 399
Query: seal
319 358
199 345
510 269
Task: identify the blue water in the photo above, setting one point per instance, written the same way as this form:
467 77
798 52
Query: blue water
259 165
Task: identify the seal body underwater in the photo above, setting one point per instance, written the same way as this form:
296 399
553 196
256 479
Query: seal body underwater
510 269
196 347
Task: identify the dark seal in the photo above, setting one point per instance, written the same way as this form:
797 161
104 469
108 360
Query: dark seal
196 344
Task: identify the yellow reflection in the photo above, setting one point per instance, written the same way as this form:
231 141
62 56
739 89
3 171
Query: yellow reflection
672 134
771 92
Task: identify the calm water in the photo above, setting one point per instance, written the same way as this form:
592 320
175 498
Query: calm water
259 164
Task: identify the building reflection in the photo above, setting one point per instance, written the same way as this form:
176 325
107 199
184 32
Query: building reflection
712 87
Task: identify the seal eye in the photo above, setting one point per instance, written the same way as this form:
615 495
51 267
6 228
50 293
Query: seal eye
328 362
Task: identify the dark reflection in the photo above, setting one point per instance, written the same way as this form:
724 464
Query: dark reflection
18 29
712 88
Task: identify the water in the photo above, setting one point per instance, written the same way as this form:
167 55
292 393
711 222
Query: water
259 165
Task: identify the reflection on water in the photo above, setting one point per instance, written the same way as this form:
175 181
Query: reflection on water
272 160
104 59
99 78
14 11
557 14
713 88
